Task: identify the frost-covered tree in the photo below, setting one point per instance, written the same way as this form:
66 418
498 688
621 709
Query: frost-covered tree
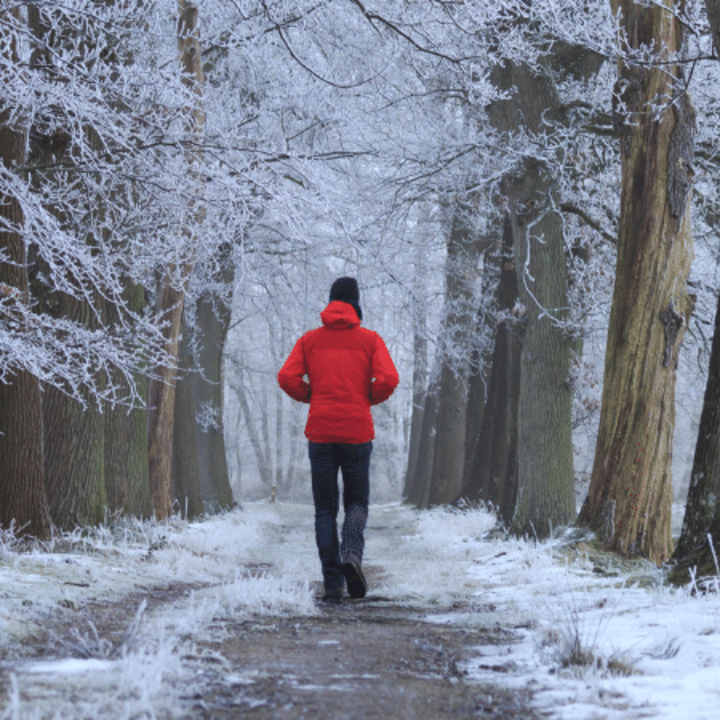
22 492
629 502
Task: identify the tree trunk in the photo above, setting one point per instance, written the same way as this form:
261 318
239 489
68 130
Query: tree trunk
418 404
74 460
263 461
460 274
73 431
171 294
629 501
478 375
702 511
186 466
523 462
492 474
545 477
22 490
126 464
713 11
481 356
213 319
420 371
420 494
296 440
702 501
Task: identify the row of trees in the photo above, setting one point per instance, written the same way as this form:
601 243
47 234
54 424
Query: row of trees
111 240
155 177
513 436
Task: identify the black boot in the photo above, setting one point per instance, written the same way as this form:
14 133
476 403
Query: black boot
333 594
356 583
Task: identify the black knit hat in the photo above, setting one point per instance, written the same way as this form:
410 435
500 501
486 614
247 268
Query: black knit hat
346 290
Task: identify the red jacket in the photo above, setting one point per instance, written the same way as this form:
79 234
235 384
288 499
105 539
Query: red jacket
349 369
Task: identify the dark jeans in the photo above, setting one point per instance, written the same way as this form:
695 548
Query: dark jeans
354 460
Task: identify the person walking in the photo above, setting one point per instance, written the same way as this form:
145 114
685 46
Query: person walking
348 369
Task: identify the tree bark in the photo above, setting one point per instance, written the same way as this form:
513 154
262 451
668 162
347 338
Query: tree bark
713 11
546 482
126 465
420 489
418 405
478 377
420 373
701 524
186 475
74 460
629 501
461 274
213 319
492 474
171 293
523 464
702 501
22 490
73 428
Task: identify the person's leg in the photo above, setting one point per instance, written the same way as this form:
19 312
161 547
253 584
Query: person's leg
324 465
355 464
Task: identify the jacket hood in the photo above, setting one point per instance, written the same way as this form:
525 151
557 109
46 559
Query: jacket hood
339 315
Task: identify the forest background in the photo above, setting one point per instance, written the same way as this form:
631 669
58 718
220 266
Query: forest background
520 188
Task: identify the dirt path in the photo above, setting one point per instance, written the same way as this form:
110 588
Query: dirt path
357 660
381 657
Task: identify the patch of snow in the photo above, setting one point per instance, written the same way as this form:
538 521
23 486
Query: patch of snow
69 666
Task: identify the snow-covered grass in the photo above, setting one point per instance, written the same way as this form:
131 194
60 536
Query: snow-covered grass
594 636
229 566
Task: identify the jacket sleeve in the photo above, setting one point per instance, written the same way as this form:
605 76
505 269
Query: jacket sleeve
384 376
290 377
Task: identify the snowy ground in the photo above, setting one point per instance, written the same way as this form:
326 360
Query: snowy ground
592 637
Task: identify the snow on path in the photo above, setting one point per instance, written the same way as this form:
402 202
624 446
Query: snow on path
546 599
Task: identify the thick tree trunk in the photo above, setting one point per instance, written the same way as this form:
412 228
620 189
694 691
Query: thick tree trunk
73 436
171 294
629 501
460 274
73 433
74 460
523 463
546 482
22 491
713 11
126 465
478 376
